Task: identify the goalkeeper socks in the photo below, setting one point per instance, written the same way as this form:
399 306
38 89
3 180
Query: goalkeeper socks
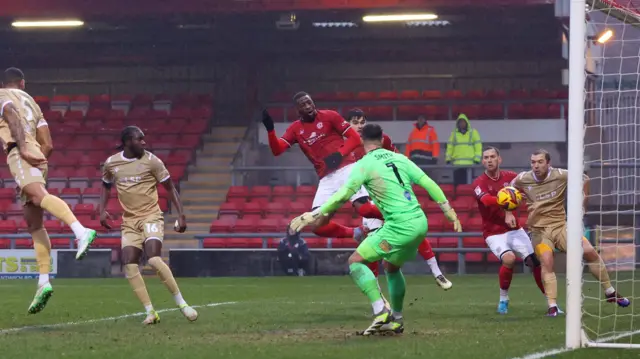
134 277
369 210
397 288
42 247
599 270
164 272
505 276
366 281
334 230
550 287
60 209
537 275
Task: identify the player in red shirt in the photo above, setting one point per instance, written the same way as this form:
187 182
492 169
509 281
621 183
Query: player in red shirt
367 209
503 239
328 142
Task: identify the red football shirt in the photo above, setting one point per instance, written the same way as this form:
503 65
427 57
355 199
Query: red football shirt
320 138
492 216
387 144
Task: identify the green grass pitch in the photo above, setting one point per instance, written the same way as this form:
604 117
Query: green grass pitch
296 318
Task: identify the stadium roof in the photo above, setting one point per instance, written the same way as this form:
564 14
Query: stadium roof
127 8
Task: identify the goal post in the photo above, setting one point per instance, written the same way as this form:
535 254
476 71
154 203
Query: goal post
575 167
604 138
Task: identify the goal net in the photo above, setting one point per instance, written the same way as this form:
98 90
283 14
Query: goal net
610 129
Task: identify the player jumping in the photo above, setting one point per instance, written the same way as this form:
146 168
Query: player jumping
136 174
358 120
20 119
544 188
388 177
321 136
504 240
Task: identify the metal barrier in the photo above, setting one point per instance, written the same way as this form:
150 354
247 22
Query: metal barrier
460 249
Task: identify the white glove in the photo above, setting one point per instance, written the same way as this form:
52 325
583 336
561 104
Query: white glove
451 215
305 219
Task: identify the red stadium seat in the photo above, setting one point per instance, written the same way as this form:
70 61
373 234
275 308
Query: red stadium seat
230 208
268 225
388 95
222 225
5 243
8 227
447 242
473 257
343 243
448 190
8 193
111 242
448 257
366 96
475 94
237 243
53 226
474 242
252 208
23 244
461 205
316 242
432 95
409 95
453 94
276 208
84 208
474 224
238 192
491 111
536 111
273 242
464 190
213 243
518 94
282 191
496 95
383 113
515 111
491 258
260 191
244 226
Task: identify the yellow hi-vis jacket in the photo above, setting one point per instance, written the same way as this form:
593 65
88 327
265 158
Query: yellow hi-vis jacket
464 148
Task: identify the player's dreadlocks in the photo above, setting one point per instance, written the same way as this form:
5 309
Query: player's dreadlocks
127 134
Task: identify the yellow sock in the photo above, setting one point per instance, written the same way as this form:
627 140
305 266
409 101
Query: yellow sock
59 208
42 246
137 284
550 287
599 270
164 272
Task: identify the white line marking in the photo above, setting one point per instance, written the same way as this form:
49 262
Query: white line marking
58 325
547 353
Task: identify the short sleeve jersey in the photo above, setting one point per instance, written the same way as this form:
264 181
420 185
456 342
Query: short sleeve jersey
388 176
136 181
493 217
545 198
387 144
320 138
28 111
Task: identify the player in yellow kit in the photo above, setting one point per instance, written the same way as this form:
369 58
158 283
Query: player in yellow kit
136 174
544 188
20 118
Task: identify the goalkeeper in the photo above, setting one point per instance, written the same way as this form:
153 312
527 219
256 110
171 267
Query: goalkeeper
388 177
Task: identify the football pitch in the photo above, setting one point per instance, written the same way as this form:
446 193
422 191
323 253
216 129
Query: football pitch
294 317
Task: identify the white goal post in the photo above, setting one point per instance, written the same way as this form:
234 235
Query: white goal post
606 102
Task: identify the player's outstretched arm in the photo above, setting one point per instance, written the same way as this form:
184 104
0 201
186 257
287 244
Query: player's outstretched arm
174 196
277 145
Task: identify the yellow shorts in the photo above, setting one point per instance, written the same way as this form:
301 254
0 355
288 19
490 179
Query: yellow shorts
24 173
135 232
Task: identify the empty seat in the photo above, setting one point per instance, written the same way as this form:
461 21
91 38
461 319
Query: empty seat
213 243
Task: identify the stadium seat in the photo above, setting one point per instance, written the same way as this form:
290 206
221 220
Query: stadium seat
5 243
447 242
110 242
23 244
475 95
515 111
316 242
14 212
409 95
252 208
464 190
238 191
518 94
388 95
268 225
8 226
473 257
276 208
53 226
282 191
448 190
213 243
474 224
448 257
243 226
366 96
495 95
230 208
474 242
491 258
453 95
343 243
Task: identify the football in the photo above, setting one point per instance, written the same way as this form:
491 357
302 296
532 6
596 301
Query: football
509 198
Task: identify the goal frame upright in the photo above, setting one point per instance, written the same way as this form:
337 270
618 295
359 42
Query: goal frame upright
575 335
577 38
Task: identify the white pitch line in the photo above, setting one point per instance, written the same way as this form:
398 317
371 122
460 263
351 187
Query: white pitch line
107 319
547 353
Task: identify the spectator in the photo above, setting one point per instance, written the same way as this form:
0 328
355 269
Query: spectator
464 148
423 147
293 254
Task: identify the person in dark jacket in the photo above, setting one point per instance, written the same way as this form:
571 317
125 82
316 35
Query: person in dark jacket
293 254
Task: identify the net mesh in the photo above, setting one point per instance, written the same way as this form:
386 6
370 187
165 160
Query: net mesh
612 152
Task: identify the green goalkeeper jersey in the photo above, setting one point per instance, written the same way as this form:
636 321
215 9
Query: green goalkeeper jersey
387 176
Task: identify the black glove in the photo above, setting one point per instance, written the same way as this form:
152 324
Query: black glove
267 121
333 160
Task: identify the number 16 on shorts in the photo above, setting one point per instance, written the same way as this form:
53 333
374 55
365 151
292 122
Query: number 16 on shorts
153 230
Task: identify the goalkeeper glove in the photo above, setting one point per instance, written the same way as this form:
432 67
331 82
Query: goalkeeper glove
333 160
451 215
267 121
305 219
